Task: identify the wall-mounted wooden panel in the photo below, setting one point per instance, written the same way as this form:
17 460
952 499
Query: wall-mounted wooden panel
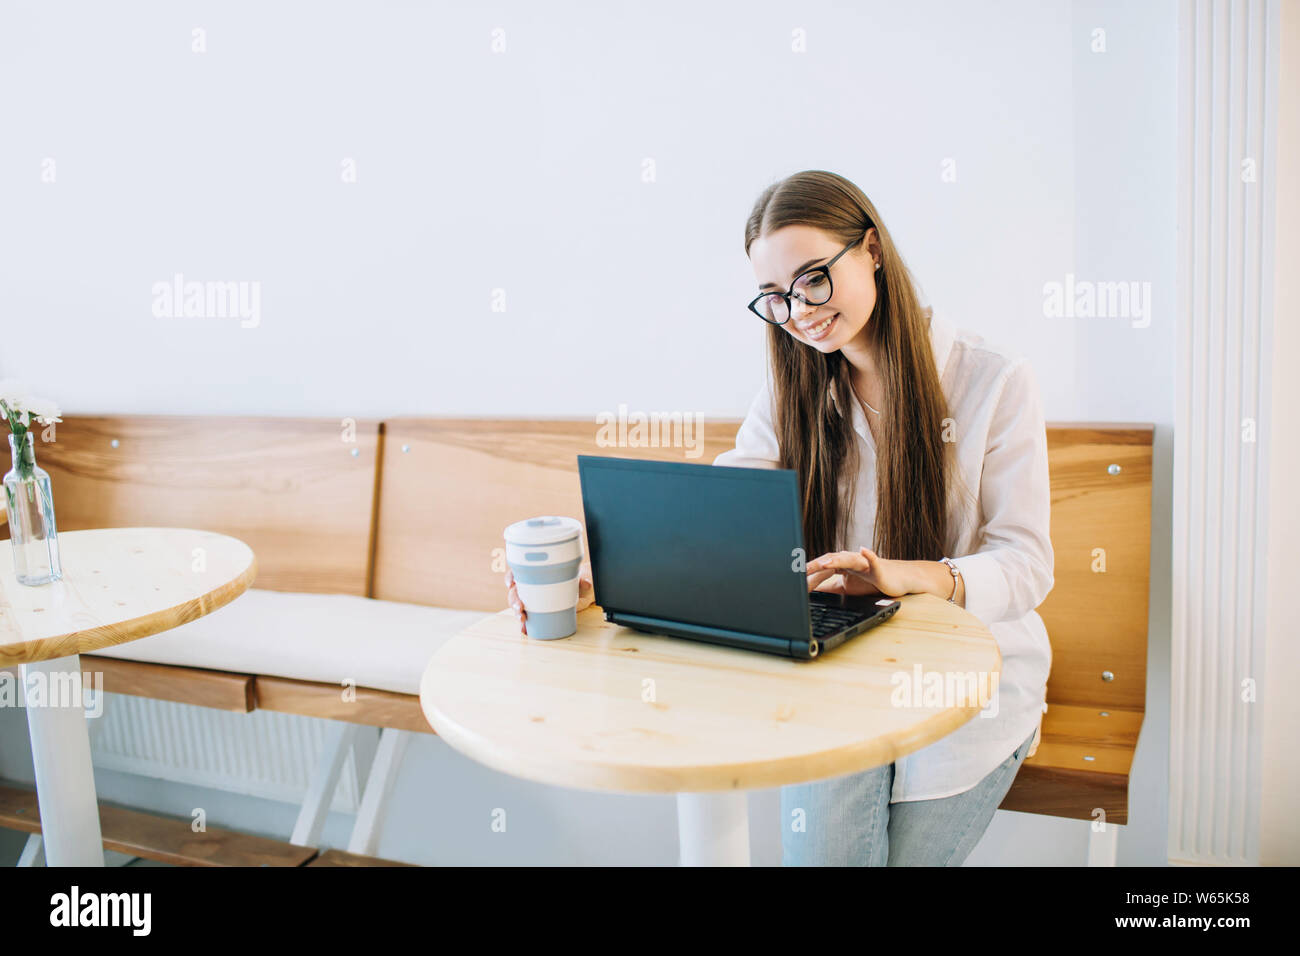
1097 619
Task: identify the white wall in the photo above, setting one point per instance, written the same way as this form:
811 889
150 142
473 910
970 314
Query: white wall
1125 139
1279 837
523 171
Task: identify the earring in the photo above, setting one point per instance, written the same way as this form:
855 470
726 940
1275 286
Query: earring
877 266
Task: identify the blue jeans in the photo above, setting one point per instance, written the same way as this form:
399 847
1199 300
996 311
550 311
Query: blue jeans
850 822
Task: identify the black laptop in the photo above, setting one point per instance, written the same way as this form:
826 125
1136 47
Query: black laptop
713 554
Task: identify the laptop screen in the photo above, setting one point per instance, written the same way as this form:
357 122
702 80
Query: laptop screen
701 544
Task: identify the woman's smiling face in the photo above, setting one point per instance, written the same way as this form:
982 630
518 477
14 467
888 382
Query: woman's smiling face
782 256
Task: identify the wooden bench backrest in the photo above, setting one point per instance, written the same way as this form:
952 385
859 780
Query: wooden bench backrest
1096 615
292 489
289 487
449 488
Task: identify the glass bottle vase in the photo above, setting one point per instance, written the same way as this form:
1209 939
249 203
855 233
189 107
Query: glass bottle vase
30 504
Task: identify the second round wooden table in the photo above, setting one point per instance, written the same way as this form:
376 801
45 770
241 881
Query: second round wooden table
611 708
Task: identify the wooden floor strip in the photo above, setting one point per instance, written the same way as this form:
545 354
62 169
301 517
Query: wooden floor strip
165 839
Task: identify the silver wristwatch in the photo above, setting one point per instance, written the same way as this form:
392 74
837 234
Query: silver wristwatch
956 573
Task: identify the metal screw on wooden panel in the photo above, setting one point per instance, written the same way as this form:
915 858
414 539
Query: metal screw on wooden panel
1107 676
114 443
405 449
1112 469
355 452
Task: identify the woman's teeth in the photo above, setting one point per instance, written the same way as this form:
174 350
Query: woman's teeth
817 330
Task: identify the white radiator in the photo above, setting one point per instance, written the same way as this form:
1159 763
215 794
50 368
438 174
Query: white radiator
262 754
1227 92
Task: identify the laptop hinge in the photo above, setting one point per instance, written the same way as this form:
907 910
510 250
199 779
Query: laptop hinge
712 635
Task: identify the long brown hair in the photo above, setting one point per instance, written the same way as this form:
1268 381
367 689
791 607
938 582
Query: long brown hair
913 462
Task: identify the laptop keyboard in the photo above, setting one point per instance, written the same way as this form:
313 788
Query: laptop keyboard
829 620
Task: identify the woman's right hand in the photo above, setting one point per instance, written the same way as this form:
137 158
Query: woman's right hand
586 594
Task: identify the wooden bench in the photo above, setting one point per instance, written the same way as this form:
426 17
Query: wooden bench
1096 618
355 509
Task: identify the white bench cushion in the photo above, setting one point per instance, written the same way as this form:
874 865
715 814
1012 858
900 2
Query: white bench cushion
327 638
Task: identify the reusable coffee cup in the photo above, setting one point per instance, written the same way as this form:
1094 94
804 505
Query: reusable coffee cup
544 555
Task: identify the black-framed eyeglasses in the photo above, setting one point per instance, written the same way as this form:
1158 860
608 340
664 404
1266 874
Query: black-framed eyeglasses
812 288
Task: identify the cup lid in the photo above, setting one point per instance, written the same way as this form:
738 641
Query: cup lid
548 529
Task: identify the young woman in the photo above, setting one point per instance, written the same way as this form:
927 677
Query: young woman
922 455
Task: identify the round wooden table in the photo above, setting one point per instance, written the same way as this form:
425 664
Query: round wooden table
612 708
118 584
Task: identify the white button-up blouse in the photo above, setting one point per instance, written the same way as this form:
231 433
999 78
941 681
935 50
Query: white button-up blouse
998 539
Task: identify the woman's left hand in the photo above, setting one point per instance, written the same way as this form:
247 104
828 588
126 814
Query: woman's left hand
859 572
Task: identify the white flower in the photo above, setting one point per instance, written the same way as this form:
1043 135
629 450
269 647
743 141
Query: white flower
12 391
27 406
42 409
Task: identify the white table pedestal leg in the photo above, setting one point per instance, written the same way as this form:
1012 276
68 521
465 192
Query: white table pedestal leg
1103 845
65 779
713 828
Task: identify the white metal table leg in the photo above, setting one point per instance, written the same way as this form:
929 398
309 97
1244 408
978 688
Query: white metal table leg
32 854
65 778
1103 844
713 828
